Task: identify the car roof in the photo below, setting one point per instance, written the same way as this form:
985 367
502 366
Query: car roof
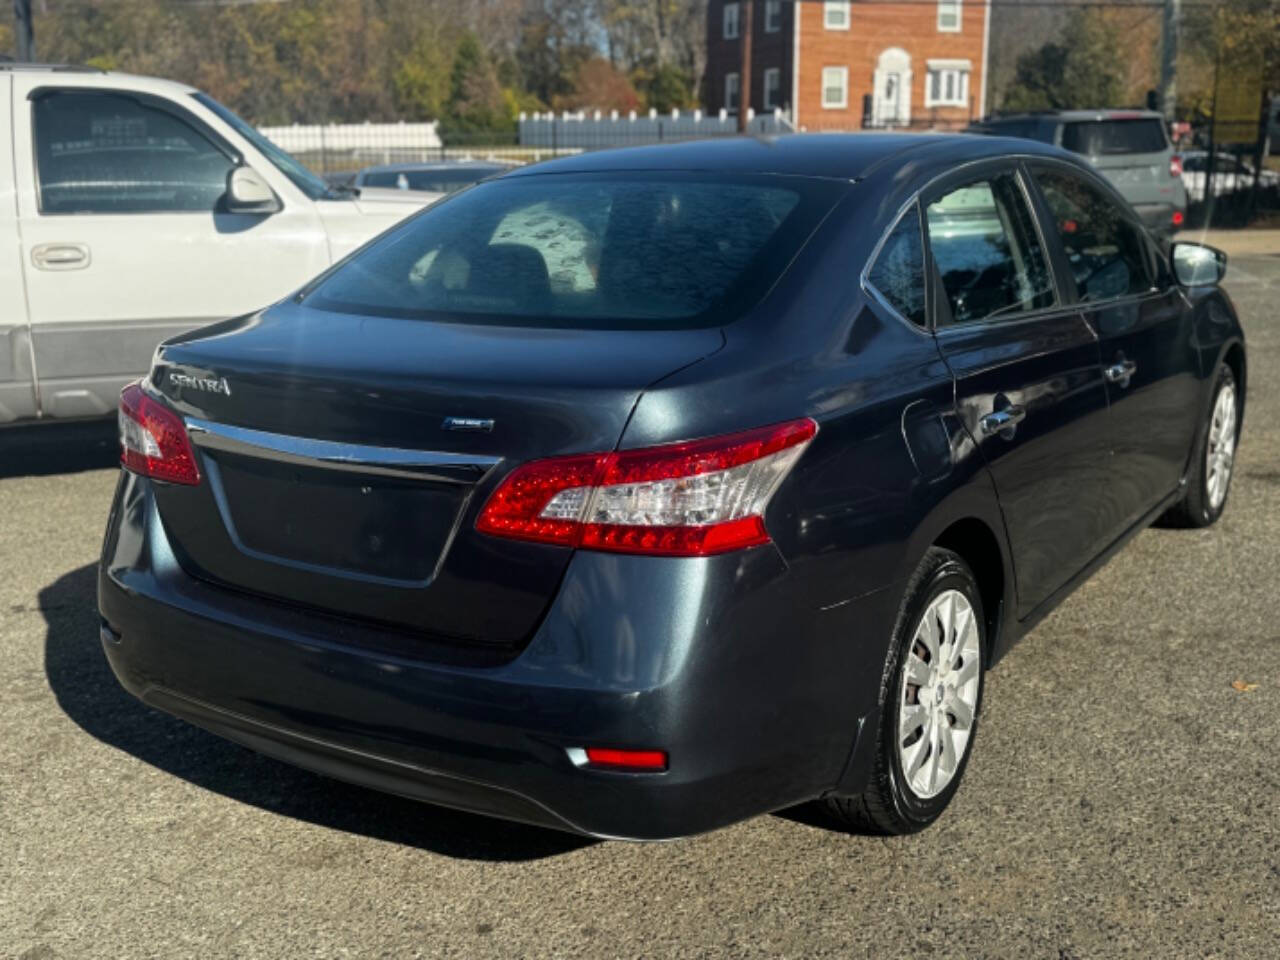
850 156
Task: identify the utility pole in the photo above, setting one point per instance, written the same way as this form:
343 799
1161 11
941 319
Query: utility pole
26 40
744 77
1169 59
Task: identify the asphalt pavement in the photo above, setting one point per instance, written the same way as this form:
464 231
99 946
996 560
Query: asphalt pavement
1122 800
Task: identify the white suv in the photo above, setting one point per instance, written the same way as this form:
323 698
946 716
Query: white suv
133 209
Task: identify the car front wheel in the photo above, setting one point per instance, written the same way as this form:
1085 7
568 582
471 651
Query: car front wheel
1209 479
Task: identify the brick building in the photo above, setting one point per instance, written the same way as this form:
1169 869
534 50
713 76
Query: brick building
921 64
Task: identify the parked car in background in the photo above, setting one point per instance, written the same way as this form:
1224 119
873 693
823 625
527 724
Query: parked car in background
132 209
1230 173
1130 147
731 513
439 179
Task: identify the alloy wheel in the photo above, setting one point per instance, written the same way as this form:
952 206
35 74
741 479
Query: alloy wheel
1220 451
938 695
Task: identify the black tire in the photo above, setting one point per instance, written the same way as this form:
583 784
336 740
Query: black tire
1195 508
889 805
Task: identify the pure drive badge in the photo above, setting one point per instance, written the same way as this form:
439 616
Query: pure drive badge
207 384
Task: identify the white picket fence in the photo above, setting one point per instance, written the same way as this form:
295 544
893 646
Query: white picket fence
594 129
332 146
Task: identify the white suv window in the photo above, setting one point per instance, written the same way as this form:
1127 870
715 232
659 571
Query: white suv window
111 153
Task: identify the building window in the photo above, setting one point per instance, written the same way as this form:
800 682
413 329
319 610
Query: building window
731 21
835 16
732 88
949 16
947 84
835 88
772 88
772 16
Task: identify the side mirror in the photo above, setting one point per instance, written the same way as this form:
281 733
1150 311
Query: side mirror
248 192
1197 265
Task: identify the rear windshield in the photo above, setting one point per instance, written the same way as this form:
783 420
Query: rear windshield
629 250
436 181
1096 138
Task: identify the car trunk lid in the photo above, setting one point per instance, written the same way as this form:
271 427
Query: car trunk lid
345 457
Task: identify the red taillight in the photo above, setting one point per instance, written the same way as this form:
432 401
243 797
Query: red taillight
1178 218
153 439
683 499
1175 166
627 759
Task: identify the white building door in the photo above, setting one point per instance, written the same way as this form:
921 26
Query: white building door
891 103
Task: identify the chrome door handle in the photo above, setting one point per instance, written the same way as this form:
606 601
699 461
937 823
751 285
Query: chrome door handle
60 256
1120 372
1002 421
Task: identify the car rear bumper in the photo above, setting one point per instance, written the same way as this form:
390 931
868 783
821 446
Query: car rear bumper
715 660
1158 217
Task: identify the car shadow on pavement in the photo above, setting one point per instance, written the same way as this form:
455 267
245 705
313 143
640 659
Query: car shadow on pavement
44 449
89 694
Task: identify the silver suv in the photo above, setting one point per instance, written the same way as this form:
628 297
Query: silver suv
1129 147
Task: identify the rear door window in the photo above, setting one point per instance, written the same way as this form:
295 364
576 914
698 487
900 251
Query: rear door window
1102 138
1105 248
589 250
987 251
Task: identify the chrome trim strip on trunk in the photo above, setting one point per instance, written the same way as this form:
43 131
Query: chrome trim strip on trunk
440 467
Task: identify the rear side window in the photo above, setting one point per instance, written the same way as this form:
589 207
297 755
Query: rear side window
1105 248
586 250
898 271
987 251
106 153
1096 138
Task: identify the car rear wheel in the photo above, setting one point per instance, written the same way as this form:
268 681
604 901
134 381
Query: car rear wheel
1209 479
930 695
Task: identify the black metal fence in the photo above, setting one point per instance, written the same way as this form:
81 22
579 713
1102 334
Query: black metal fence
1239 187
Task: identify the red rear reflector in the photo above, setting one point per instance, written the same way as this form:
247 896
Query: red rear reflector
1178 218
682 499
153 439
1175 166
627 759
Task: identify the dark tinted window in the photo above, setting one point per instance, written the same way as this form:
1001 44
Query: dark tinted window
623 250
1028 129
1222 163
987 251
104 153
1106 249
898 273
435 181
1105 137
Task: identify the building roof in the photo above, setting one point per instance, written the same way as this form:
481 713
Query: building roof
849 156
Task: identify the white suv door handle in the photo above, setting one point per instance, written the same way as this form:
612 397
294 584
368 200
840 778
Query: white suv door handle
60 256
